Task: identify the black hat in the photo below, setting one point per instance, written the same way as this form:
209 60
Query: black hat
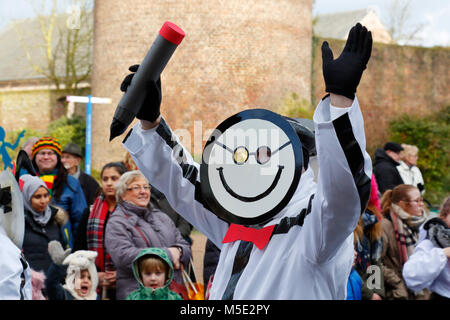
74 149
393 146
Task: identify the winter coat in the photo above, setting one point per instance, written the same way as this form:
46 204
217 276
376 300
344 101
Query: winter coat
392 266
36 239
411 175
354 286
72 200
163 293
210 260
131 229
160 201
385 170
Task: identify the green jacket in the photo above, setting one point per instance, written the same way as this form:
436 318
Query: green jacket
143 293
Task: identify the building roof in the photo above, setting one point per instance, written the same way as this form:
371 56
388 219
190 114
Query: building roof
337 25
14 64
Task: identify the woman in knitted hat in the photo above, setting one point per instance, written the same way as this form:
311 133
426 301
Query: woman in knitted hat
65 190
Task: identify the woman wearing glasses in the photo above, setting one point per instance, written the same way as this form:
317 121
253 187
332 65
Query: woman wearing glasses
429 266
403 211
135 225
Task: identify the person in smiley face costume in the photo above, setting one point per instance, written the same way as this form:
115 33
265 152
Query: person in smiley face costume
281 234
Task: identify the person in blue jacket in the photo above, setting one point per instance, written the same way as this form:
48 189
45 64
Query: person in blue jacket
354 285
65 190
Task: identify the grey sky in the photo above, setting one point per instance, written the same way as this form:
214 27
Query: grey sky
434 13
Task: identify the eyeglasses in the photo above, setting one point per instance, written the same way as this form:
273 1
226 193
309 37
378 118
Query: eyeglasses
47 153
420 200
138 188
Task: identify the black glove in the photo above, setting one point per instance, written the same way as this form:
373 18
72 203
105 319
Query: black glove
342 75
150 109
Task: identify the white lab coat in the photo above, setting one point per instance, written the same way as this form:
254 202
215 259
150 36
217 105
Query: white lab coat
428 267
312 261
15 280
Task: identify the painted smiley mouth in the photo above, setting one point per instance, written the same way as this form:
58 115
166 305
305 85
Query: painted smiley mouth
255 198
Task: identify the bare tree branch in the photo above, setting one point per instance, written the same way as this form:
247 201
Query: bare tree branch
67 47
399 22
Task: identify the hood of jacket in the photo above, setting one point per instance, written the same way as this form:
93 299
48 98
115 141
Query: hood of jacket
150 293
382 156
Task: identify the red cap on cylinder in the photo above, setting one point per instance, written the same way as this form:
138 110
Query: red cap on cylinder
172 33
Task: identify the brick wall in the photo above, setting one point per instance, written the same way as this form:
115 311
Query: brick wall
236 55
33 108
25 109
398 80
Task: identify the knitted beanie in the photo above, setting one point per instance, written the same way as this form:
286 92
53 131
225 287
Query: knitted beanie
46 143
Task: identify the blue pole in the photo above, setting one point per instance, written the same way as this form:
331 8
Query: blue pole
87 158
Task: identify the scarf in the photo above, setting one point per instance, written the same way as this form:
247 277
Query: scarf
29 185
96 233
368 251
406 228
438 232
49 179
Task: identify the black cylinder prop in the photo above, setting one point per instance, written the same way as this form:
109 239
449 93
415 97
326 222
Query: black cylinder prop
169 37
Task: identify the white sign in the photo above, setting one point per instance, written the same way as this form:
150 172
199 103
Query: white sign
82 99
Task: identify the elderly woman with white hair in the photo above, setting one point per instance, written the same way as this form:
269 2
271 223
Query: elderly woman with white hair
135 225
409 172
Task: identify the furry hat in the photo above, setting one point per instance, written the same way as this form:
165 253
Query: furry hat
78 261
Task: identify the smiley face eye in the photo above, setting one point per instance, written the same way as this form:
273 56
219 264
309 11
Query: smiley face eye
240 155
263 155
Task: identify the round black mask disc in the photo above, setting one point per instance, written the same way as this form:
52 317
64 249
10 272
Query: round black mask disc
251 167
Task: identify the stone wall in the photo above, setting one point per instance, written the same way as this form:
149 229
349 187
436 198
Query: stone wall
33 107
236 55
25 109
398 80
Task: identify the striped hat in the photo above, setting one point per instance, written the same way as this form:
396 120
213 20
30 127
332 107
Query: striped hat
46 143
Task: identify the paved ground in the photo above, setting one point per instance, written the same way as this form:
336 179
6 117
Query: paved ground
198 251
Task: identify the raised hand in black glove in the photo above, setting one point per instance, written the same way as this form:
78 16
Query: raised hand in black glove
342 75
152 103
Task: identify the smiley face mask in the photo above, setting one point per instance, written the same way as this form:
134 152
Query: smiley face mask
251 166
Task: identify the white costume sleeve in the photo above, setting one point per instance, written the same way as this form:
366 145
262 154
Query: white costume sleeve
168 166
343 186
15 276
424 266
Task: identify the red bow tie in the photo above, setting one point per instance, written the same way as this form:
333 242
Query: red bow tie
259 237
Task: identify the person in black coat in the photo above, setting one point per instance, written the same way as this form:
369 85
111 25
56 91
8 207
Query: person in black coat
41 222
385 166
71 159
210 261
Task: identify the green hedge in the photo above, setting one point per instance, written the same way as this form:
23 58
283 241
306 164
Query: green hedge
431 134
64 129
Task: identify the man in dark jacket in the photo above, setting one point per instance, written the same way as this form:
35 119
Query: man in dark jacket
385 166
71 158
